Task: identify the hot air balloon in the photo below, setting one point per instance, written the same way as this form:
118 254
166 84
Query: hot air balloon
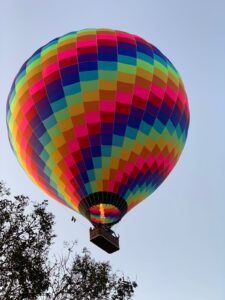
98 118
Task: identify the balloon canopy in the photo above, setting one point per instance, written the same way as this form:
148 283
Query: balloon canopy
98 118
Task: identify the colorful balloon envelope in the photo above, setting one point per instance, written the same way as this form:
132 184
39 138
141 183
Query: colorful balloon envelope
98 118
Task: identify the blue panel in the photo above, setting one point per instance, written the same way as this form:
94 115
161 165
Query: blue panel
107 128
44 109
120 129
87 57
35 121
88 66
40 130
127 49
96 151
86 152
176 115
148 118
70 75
37 160
135 117
121 118
141 47
183 121
95 140
55 90
84 177
152 109
106 139
81 166
89 163
107 53
164 113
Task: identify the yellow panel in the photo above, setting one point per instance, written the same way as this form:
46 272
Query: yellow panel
150 144
170 144
125 153
161 75
172 77
87 33
57 172
107 85
144 74
105 173
114 162
89 96
16 110
65 125
67 41
34 71
75 110
99 185
161 143
70 201
46 56
137 148
56 157
128 78
60 184
58 141
105 30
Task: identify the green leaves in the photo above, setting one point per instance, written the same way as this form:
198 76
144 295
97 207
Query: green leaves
24 247
28 272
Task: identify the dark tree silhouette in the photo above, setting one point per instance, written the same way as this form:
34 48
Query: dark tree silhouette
27 271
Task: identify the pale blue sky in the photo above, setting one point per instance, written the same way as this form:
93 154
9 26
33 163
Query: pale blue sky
174 242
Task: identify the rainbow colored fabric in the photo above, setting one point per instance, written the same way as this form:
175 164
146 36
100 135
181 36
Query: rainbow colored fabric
98 118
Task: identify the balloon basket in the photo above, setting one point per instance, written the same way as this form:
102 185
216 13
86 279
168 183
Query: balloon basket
104 238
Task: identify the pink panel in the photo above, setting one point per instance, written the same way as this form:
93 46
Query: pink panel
73 145
37 86
86 43
157 90
50 69
27 105
92 117
124 97
111 37
107 106
67 54
171 93
141 92
81 131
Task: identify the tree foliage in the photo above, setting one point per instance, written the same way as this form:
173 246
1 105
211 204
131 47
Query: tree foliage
27 271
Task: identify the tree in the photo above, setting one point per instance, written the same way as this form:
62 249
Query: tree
28 271
25 239
84 278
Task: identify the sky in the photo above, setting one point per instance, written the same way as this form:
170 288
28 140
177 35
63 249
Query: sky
173 243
